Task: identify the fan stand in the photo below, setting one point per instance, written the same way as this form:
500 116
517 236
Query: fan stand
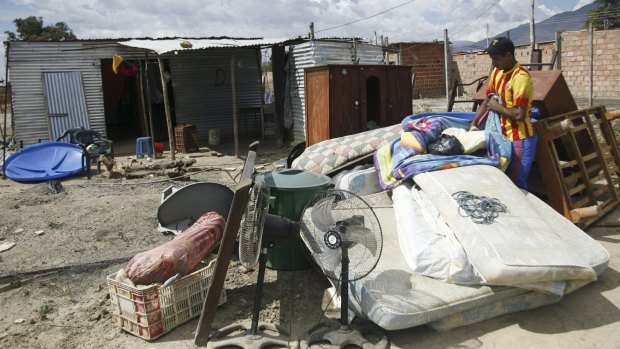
254 335
341 334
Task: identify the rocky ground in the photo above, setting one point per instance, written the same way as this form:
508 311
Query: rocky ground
53 285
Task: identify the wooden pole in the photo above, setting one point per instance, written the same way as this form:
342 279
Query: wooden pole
145 123
446 51
6 101
532 33
233 85
591 83
167 109
262 95
149 107
278 63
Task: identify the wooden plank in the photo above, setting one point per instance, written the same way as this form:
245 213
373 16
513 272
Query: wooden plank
568 164
583 202
550 169
164 88
612 115
581 163
239 203
577 189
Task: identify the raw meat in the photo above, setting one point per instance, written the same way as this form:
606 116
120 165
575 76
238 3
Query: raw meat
180 255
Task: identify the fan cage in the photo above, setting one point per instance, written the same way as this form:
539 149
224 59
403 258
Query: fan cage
251 227
342 206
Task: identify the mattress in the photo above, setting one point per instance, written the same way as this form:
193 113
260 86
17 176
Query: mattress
360 181
395 297
529 243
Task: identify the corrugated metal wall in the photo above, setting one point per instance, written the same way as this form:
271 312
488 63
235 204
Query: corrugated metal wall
203 90
312 53
29 60
66 105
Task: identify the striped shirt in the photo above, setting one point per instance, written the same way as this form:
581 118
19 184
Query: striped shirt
515 89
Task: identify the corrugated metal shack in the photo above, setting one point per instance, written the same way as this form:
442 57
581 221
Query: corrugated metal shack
59 85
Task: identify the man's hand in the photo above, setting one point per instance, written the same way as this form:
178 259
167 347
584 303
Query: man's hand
494 105
473 128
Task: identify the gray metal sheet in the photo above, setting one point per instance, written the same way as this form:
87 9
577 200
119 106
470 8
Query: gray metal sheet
66 107
203 91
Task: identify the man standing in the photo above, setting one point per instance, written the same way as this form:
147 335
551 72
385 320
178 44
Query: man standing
513 85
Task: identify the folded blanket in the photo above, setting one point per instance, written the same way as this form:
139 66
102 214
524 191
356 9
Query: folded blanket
407 156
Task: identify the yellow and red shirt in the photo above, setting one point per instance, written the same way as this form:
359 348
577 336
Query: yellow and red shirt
515 89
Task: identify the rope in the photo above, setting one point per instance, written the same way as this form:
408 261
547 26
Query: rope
481 209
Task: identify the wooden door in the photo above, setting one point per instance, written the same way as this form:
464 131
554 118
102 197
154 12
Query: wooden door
399 94
373 94
345 103
317 105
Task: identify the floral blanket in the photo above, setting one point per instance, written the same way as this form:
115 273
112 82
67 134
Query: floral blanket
407 156
328 155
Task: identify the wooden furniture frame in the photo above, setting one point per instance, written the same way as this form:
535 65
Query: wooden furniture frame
579 158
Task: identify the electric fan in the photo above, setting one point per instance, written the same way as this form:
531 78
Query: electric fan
255 221
344 238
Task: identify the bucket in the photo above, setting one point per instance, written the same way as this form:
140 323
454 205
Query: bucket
159 148
214 136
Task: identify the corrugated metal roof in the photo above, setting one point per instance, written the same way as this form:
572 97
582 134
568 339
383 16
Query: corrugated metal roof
171 45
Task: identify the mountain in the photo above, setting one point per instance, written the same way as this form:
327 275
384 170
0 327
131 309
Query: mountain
545 30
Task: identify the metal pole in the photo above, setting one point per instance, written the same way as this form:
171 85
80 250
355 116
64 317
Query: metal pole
590 97
558 50
167 109
446 49
233 85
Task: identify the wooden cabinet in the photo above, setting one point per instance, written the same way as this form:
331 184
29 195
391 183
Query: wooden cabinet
347 99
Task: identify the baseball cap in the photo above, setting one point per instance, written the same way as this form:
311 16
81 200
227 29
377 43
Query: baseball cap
500 46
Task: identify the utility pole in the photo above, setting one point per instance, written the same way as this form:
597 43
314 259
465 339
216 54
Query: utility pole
532 33
487 35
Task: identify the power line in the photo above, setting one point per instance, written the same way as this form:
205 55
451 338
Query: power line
365 18
475 19
467 15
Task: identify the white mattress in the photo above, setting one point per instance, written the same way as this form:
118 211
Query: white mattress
362 181
395 297
527 244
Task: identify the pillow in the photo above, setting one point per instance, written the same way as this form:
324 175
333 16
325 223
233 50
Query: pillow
471 140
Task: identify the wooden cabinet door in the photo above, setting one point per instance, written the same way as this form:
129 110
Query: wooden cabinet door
399 94
374 96
317 105
345 109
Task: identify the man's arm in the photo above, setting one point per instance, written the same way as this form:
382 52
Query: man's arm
516 113
481 111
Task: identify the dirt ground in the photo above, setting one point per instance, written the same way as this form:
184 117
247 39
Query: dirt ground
108 221
94 226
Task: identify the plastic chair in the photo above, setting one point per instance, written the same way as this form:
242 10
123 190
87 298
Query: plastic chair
71 134
94 145
295 153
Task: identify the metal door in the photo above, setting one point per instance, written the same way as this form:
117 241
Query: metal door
66 105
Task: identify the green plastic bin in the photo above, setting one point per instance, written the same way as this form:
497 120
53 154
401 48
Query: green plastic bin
291 190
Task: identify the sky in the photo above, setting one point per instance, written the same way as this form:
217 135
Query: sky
399 20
